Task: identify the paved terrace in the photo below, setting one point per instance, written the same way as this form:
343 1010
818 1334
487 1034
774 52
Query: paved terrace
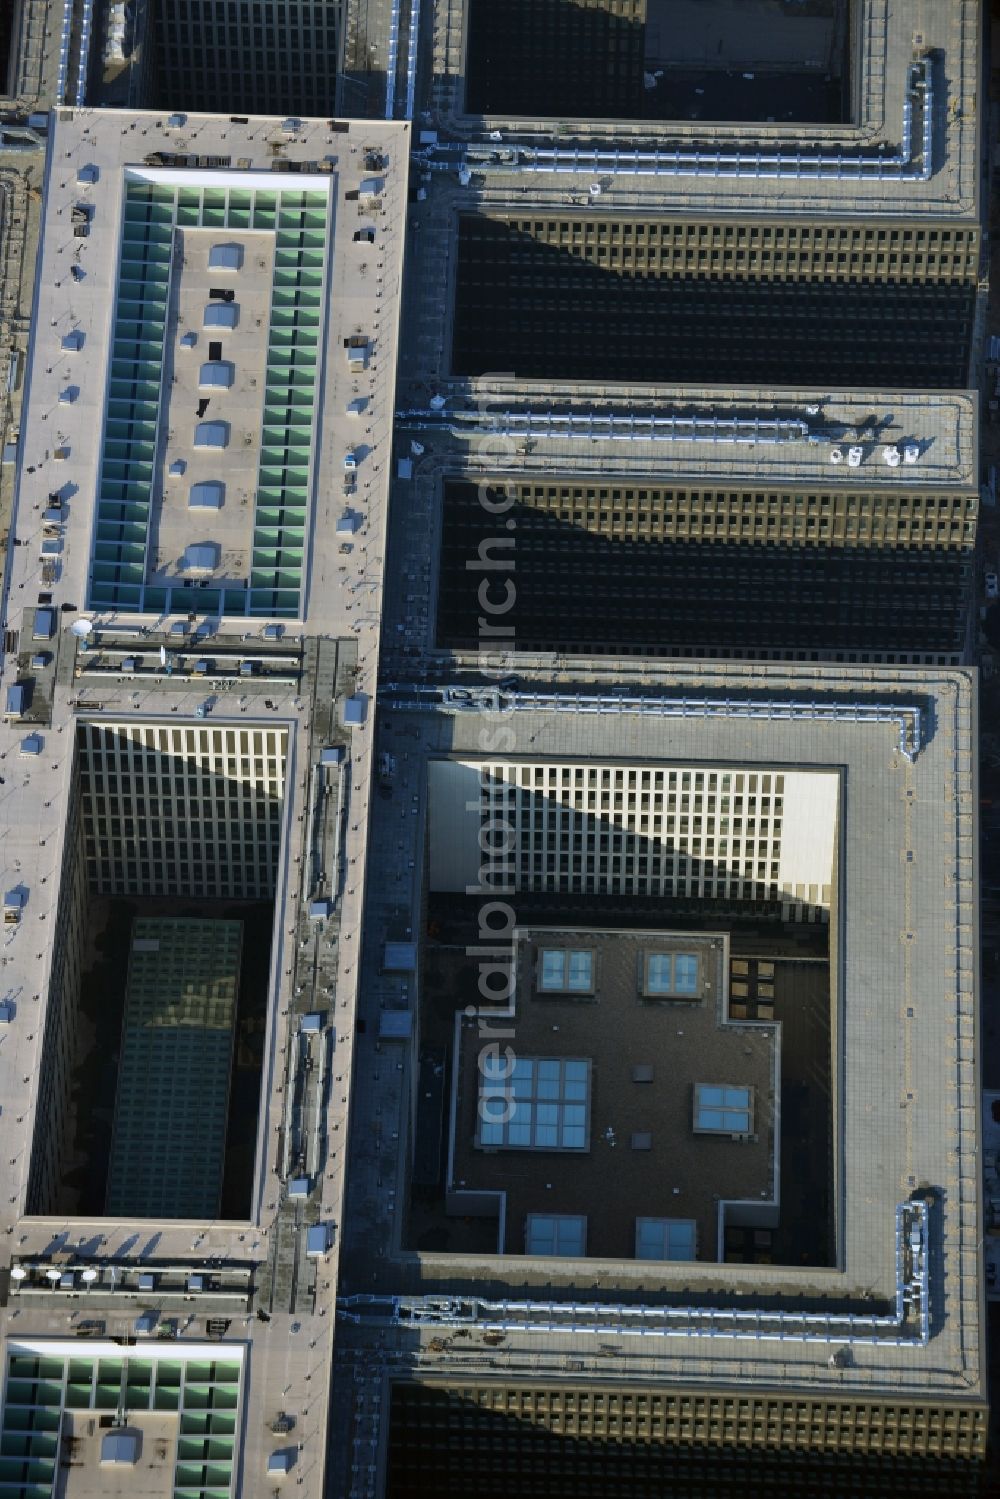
950 29
747 435
313 967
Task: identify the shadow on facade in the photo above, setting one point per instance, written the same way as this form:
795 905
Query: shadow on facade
444 1441
546 312
594 594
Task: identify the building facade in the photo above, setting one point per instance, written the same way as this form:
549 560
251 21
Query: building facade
263 57
623 567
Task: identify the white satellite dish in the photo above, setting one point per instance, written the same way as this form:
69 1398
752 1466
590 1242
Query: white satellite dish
89 1276
18 1272
81 628
53 1275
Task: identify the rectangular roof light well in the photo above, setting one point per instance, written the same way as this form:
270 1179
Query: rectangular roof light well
222 314
211 435
555 1234
201 557
208 495
566 970
669 973
219 372
225 257
723 1110
665 1238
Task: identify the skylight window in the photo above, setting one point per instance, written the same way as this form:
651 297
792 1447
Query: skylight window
564 970
555 1234
540 1103
225 257
216 372
665 1239
222 314
672 973
721 1109
201 557
211 435
208 495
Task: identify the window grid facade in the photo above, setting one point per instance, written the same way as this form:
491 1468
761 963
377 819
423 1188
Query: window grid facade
250 56
429 1423
886 573
170 809
835 250
706 302
587 829
525 57
911 518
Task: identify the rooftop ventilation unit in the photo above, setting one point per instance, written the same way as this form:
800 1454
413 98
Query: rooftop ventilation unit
836 455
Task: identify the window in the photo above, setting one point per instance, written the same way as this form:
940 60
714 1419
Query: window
665 1239
555 1233
565 970
671 973
539 1103
720 1109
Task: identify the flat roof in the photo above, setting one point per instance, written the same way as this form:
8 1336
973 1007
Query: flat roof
160 393
748 435
62 1387
644 1155
330 651
891 38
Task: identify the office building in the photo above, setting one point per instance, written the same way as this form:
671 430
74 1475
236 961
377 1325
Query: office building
666 1133
669 449
187 676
